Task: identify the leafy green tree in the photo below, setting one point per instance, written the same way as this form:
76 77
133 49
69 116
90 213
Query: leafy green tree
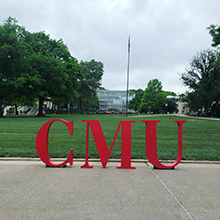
169 93
193 100
13 60
183 97
55 73
136 101
169 106
214 31
153 97
34 66
215 92
92 72
92 103
202 78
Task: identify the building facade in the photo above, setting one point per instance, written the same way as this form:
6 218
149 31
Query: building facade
181 106
113 99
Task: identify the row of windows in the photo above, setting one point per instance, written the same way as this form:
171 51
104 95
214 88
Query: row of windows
113 99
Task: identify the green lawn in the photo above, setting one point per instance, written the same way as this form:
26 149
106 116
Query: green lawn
201 137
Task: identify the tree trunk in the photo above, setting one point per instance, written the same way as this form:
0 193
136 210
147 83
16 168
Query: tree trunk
206 108
1 101
81 106
40 108
16 110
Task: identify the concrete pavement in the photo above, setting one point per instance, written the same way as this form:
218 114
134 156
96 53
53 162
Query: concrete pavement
29 190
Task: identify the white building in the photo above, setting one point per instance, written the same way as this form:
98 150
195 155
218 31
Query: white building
113 99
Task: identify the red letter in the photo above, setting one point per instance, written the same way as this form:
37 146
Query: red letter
42 143
151 143
102 147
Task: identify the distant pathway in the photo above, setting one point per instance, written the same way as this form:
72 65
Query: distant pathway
181 115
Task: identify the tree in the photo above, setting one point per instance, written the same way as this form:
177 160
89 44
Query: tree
214 31
92 103
13 60
34 66
92 72
169 106
170 103
202 77
169 93
182 97
55 73
193 100
215 92
136 101
153 98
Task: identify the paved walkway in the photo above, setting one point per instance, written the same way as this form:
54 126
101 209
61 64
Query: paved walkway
29 190
181 115
207 118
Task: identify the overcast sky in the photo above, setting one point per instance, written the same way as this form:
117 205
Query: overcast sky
165 34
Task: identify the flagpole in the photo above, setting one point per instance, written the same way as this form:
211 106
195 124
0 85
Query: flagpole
128 76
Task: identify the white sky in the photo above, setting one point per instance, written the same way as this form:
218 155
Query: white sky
165 34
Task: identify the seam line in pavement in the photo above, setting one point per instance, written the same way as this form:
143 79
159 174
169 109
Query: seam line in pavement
170 192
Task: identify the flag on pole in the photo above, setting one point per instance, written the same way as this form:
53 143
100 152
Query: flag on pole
129 44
